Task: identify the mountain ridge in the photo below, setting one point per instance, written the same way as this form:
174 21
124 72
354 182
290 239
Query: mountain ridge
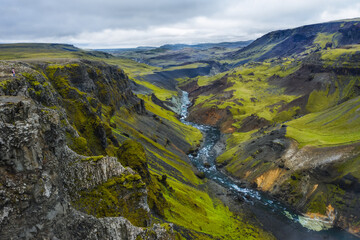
299 39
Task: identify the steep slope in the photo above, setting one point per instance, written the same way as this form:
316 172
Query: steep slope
290 118
300 41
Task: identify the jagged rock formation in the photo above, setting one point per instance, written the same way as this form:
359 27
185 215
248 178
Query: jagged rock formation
47 189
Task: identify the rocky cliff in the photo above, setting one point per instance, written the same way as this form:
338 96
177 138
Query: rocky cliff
49 191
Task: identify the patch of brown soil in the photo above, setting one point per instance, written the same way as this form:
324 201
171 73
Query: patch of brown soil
209 116
266 181
213 116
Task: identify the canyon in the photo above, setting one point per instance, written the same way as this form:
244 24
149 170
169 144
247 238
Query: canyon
251 140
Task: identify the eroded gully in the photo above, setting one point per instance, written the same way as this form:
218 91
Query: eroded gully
274 216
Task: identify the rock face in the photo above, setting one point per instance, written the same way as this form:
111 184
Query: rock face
43 182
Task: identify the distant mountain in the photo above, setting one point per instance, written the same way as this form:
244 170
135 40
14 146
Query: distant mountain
38 50
180 46
49 46
115 50
238 44
178 54
300 41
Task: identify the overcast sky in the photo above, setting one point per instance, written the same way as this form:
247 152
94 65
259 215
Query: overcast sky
131 23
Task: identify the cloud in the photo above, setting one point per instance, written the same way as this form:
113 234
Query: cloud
108 23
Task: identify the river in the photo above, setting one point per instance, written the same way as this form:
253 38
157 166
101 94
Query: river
274 216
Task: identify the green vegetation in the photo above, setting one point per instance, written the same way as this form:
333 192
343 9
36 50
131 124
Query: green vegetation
251 92
331 55
351 166
132 154
131 67
232 145
161 93
195 210
78 144
318 204
337 125
93 158
186 66
36 51
191 134
321 100
154 143
108 200
322 39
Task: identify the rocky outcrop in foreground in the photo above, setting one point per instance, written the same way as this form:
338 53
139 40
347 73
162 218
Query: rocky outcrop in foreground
46 188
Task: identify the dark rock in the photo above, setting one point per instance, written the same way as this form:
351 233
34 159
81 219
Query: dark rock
207 165
200 175
253 122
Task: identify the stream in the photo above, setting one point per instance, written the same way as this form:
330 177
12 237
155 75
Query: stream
282 222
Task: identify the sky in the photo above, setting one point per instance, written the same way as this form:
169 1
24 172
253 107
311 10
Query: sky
132 23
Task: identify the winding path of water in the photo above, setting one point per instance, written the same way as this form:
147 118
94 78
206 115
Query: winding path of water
274 216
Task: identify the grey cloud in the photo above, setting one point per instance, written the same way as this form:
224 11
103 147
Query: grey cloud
43 18
141 22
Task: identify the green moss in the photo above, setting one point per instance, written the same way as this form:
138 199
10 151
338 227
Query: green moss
334 126
107 200
331 194
156 200
287 115
351 166
324 38
332 55
85 124
161 93
4 84
336 196
186 66
85 113
195 210
235 165
318 204
77 144
232 147
321 100
132 154
93 158
58 75
251 92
